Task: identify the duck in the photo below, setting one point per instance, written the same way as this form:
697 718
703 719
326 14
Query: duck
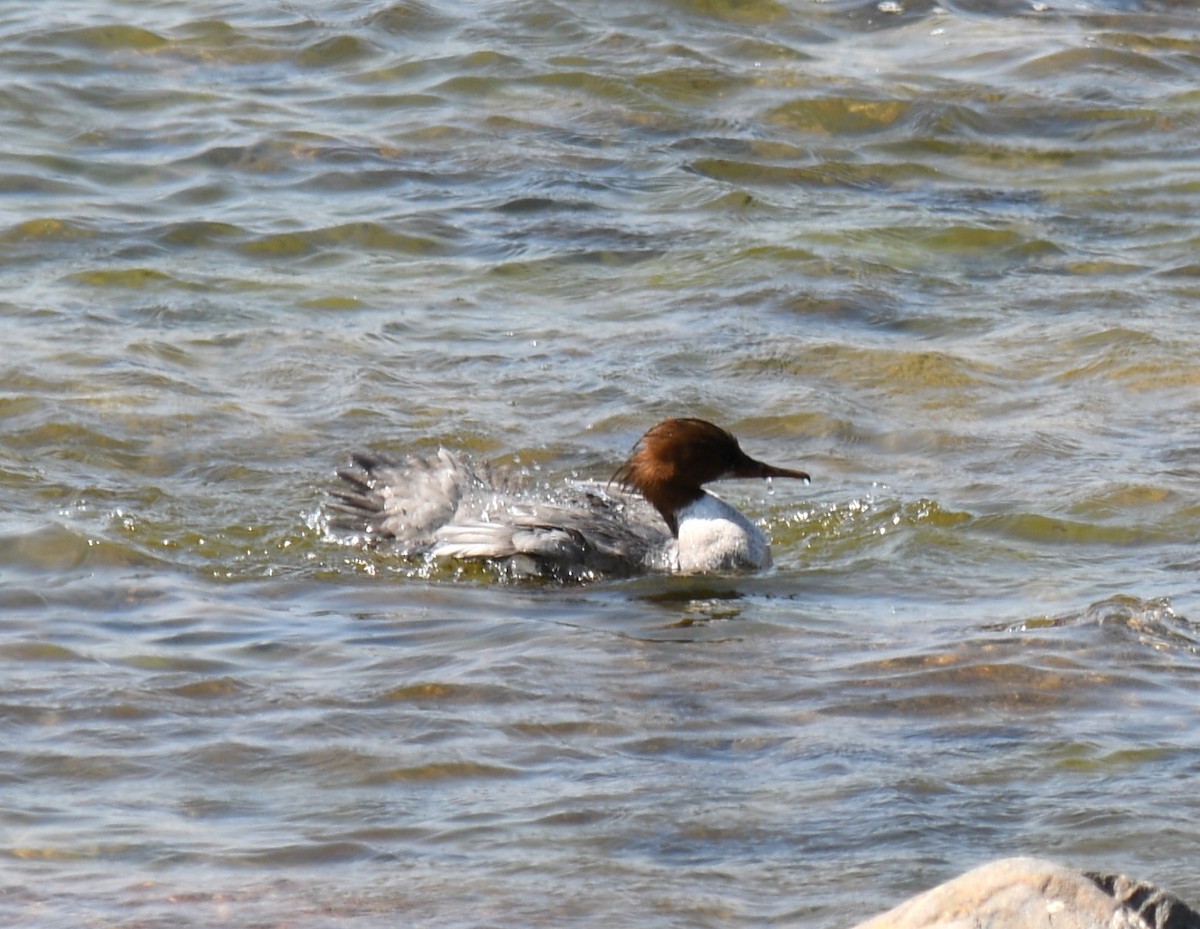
654 514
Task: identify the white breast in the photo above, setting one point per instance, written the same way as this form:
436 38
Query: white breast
713 536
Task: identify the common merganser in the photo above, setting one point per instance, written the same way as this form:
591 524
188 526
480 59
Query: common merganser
447 507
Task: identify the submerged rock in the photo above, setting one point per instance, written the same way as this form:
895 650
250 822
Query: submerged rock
1027 893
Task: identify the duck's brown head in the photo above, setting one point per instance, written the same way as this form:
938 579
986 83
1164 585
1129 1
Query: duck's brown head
670 464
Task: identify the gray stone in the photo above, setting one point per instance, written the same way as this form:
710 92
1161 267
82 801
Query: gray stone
1027 893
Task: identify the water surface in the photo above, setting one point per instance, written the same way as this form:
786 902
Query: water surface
942 256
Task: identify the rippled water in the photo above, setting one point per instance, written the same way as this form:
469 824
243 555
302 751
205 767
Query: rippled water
942 256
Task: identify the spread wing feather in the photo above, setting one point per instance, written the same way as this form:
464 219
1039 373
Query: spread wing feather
406 502
450 508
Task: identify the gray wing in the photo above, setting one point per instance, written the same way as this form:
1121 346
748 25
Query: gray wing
597 536
450 508
406 502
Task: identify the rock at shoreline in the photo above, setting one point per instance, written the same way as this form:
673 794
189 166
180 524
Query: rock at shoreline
1027 893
